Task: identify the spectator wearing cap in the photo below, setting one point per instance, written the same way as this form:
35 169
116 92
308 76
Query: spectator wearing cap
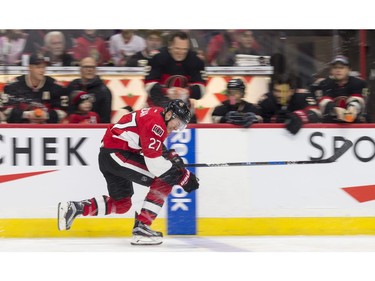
91 83
341 97
35 97
82 104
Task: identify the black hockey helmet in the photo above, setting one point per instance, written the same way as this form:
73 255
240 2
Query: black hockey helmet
179 110
236 84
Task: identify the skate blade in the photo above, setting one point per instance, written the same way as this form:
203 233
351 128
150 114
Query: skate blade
61 211
143 240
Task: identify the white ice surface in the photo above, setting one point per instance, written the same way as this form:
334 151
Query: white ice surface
197 244
181 258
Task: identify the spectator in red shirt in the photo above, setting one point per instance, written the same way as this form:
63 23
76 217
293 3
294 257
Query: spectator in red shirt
223 47
82 103
89 44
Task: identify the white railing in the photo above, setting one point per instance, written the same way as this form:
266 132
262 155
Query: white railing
74 70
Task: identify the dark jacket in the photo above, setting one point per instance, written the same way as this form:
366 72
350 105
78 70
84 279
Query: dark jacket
102 96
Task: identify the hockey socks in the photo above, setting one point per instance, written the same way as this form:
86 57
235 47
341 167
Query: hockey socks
105 205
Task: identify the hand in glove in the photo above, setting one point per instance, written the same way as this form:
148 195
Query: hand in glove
249 119
173 156
293 124
295 121
189 182
238 118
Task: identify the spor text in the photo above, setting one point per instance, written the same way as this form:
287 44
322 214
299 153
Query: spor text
360 147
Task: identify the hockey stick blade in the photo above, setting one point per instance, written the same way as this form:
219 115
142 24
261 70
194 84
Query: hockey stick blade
338 153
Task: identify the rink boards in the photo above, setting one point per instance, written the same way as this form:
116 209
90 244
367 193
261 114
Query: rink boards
41 166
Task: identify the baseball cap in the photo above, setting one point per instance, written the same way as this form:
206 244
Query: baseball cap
80 96
36 59
340 59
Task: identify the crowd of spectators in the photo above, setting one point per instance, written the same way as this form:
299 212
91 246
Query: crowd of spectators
177 60
116 47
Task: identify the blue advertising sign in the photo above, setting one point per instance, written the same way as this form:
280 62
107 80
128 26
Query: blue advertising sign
181 214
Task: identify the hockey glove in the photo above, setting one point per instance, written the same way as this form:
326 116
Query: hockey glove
172 156
295 121
242 119
233 117
293 124
189 182
249 119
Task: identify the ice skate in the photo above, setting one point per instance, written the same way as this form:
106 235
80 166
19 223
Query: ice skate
67 212
144 235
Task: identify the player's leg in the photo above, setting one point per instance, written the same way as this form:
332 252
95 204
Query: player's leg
119 202
154 201
119 169
135 169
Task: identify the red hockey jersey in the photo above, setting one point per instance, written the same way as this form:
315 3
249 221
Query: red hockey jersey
143 131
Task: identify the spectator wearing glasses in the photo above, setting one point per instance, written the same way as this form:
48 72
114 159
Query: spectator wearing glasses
91 83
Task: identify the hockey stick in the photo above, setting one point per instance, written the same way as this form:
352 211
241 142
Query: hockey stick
338 153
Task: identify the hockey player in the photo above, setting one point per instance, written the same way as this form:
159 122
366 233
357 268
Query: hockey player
235 110
35 97
176 73
284 104
341 97
132 151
